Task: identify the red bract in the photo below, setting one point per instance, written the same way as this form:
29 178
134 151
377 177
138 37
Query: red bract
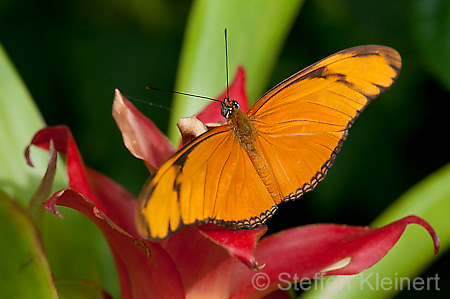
207 260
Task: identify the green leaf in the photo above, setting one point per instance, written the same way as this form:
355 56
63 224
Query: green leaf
77 249
35 207
412 254
256 31
73 289
430 26
24 269
19 121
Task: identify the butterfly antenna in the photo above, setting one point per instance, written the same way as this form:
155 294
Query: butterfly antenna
183 93
226 62
133 99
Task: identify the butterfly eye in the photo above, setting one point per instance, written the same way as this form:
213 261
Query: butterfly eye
228 107
226 111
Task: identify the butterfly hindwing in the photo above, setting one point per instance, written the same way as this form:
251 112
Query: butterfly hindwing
209 179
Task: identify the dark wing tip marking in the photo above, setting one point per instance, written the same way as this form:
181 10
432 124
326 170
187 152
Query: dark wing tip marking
317 73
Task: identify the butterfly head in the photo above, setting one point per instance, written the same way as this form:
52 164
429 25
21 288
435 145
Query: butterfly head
228 106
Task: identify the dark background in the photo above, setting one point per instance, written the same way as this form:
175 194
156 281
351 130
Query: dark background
72 54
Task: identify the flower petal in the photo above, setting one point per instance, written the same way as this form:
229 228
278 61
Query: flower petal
204 266
240 243
205 256
190 127
108 196
320 250
145 269
119 205
65 144
140 135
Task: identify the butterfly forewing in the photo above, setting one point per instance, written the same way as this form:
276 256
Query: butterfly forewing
303 121
300 126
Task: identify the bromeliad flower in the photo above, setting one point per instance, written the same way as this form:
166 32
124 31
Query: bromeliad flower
206 260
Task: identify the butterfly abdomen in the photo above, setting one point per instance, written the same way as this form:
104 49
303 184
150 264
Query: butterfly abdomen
246 134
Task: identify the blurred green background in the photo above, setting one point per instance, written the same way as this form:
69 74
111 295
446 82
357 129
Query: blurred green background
72 54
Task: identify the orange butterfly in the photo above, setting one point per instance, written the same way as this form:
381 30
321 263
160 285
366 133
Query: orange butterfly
237 174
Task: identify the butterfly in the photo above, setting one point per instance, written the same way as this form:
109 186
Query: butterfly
283 146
